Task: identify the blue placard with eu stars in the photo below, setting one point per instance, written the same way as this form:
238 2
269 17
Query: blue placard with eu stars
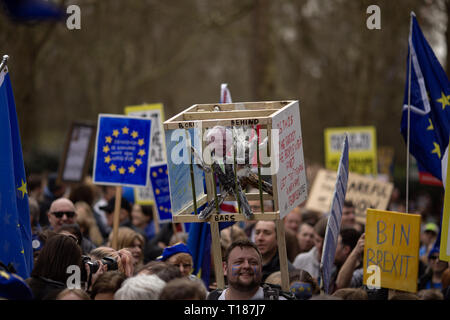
122 150
160 185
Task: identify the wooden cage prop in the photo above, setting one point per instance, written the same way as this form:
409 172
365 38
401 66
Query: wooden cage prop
280 164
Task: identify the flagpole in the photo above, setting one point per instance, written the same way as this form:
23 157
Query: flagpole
409 112
4 62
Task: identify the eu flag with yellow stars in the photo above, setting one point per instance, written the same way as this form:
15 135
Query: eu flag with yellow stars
430 105
15 228
122 150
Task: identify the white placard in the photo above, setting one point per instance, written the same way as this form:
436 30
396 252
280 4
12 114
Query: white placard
291 177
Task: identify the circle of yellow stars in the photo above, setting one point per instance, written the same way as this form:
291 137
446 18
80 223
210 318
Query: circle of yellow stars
107 158
444 100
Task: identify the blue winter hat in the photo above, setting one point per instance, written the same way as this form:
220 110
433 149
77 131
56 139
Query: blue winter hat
301 290
128 193
170 251
434 250
13 287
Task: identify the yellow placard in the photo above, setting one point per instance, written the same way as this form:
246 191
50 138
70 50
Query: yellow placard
144 108
392 244
362 143
444 249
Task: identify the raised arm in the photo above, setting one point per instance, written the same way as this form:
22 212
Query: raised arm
344 277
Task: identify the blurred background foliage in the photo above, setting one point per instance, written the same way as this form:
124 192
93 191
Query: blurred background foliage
319 52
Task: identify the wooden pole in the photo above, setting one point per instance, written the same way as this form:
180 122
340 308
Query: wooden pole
216 251
282 254
155 218
116 217
175 232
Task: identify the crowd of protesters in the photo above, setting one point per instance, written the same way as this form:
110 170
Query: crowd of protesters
72 229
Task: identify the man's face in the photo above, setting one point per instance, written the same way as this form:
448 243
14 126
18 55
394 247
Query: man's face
306 237
436 264
292 221
183 261
243 269
266 237
348 216
62 211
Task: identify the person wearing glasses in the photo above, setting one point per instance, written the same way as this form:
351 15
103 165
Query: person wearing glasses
62 211
432 278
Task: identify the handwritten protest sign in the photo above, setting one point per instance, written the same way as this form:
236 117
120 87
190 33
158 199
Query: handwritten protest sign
392 244
144 195
121 151
291 177
157 192
364 192
155 112
362 147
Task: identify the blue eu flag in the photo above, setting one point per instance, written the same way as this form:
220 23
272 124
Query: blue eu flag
199 243
15 228
430 104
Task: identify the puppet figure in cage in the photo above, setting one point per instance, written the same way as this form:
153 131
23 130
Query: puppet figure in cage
226 147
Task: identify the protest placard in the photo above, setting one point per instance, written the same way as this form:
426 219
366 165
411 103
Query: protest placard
155 112
444 252
362 147
74 160
392 244
364 192
160 186
334 221
121 156
291 176
157 190
122 150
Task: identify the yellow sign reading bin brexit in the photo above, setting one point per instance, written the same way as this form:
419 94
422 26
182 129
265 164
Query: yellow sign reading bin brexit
391 250
362 145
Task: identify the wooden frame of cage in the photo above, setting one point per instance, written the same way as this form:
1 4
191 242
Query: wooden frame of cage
228 115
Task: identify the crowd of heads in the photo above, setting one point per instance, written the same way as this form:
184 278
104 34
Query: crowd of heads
142 260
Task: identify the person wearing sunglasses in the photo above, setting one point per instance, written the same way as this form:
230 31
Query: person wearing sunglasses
62 211
432 279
